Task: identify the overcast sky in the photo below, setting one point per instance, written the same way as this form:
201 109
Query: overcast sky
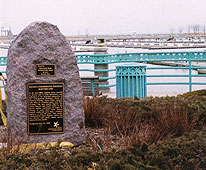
104 16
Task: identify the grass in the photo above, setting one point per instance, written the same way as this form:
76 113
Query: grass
153 133
148 120
185 152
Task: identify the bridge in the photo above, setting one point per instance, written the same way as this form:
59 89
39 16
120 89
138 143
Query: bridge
140 57
105 59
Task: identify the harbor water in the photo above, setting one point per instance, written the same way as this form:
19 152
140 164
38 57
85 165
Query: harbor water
152 90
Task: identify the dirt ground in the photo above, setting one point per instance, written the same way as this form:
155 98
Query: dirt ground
96 139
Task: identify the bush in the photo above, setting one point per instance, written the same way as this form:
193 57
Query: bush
157 132
148 120
185 152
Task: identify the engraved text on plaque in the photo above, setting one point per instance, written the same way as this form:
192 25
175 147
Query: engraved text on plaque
45 104
45 70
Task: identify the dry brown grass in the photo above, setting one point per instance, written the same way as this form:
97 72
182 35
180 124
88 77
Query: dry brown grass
11 143
119 123
140 121
125 122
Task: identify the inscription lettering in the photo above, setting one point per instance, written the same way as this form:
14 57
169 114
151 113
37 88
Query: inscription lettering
45 103
45 70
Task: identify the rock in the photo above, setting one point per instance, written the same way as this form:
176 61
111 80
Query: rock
2 131
43 43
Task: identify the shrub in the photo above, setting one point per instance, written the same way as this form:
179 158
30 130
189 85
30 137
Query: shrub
185 152
148 120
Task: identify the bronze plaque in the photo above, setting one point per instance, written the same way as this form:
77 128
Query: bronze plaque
45 70
45 108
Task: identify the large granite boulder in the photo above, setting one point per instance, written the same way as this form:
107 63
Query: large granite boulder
43 43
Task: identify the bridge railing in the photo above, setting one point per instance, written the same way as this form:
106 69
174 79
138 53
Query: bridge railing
140 57
186 57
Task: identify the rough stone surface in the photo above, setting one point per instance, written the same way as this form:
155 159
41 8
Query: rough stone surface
42 43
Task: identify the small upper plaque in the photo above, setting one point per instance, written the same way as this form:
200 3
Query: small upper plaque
45 70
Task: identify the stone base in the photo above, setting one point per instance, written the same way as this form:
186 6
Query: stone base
42 43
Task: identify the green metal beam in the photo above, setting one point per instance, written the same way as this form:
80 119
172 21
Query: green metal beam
169 83
106 78
175 83
147 57
176 75
109 85
141 57
134 57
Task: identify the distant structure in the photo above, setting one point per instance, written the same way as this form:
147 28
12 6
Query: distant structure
6 33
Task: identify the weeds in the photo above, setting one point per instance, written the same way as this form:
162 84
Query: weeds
148 120
185 152
153 133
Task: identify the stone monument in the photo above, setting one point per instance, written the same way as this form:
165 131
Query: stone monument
44 93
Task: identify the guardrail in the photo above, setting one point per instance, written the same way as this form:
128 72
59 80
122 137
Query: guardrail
187 57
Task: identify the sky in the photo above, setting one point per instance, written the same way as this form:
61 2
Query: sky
80 17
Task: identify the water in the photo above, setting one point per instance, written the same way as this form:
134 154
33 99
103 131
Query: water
152 90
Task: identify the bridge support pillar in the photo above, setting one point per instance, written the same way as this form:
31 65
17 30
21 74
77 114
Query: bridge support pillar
131 81
102 74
